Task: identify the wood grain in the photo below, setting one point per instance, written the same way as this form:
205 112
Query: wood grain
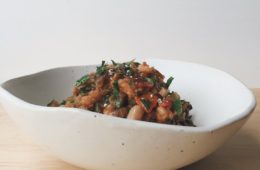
242 152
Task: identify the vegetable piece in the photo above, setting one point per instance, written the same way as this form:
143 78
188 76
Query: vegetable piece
169 81
136 113
114 63
116 89
145 68
146 103
85 90
109 109
116 93
143 85
166 103
163 115
126 87
129 90
89 100
177 106
101 69
82 80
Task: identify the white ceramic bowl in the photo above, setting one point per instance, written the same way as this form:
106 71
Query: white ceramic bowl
91 140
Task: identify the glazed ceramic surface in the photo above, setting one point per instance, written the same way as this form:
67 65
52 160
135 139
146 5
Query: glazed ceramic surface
221 105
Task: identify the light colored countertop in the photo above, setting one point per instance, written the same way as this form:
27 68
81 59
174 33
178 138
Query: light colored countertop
242 152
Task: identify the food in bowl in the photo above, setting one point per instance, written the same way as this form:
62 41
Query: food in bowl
87 139
129 90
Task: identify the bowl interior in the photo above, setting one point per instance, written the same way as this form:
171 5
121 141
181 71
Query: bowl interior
214 95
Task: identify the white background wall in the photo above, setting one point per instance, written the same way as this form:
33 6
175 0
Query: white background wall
35 35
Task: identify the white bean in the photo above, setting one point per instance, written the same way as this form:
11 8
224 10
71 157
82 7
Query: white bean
109 109
163 114
135 113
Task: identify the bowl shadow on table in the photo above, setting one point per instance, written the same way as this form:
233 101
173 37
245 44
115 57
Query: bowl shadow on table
241 152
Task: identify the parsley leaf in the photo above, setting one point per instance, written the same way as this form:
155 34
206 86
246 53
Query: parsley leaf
114 63
177 106
101 69
116 94
116 89
169 81
146 103
82 80
85 90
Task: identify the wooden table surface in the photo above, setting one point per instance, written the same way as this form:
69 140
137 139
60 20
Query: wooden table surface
242 152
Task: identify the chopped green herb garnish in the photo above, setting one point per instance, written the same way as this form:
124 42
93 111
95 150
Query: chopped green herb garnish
116 89
144 86
169 81
114 63
85 90
82 80
101 69
116 94
177 106
146 103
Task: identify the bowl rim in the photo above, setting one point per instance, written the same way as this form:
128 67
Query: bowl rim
5 94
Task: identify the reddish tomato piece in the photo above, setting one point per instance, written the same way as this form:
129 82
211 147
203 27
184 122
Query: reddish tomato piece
166 103
143 85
